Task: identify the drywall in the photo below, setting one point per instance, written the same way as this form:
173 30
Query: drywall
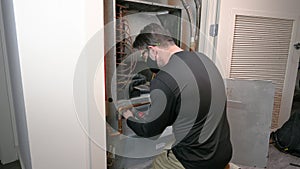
51 36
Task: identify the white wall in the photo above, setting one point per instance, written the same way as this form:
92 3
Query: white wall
96 84
51 36
209 16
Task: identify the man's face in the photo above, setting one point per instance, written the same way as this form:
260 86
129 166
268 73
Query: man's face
147 57
160 55
144 54
155 53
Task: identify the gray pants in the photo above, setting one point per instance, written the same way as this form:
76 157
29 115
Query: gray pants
166 160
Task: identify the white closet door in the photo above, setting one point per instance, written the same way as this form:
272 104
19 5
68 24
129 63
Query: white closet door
260 51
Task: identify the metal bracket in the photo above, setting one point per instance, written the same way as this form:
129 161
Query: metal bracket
213 31
297 46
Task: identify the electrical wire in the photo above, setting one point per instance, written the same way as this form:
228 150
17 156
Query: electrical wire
198 22
189 14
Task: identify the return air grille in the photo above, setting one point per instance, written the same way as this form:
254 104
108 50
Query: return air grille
260 51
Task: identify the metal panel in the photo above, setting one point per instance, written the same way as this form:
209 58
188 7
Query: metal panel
250 105
260 51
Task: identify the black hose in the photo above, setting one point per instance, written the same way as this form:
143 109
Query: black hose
198 22
198 3
187 6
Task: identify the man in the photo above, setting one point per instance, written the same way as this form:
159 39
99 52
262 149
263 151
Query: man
188 94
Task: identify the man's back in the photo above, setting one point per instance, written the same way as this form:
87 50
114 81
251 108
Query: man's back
197 110
189 94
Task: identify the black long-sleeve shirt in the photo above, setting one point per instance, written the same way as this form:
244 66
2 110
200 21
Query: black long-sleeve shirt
189 94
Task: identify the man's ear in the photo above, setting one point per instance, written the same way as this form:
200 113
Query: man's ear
152 52
151 47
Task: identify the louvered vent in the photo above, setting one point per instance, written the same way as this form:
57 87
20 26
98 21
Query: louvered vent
260 51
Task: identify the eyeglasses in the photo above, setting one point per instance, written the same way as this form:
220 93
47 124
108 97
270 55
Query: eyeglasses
145 53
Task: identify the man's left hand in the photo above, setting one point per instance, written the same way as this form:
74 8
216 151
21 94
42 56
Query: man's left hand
127 114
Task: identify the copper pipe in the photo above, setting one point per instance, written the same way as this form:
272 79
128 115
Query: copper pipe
120 128
120 109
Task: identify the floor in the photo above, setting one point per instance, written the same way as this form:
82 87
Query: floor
13 165
279 160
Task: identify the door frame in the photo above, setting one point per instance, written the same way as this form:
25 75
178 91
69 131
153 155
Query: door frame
8 80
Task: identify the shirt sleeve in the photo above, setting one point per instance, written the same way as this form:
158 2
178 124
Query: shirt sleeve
161 113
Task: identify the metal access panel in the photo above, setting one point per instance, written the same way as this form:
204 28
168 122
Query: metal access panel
250 106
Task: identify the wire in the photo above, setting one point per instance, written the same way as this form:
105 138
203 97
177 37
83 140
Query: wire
189 14
198 22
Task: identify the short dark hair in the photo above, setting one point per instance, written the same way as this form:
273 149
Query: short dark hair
153 35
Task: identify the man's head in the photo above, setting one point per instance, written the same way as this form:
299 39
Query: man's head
154 42
153 35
